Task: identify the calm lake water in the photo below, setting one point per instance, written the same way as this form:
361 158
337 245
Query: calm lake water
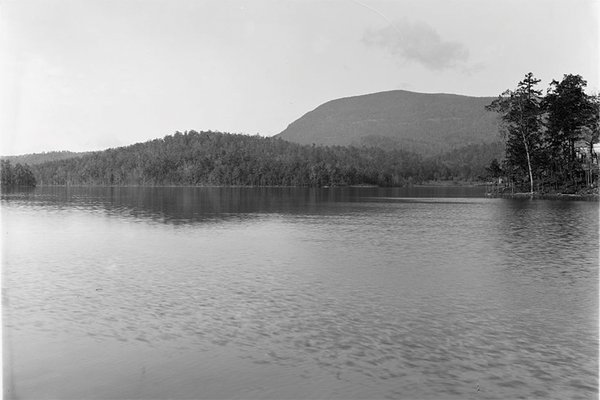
265 293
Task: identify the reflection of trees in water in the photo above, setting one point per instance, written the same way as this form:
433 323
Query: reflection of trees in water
188 205
182 205
548 240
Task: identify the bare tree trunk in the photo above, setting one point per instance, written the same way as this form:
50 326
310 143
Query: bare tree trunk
524 137
528 164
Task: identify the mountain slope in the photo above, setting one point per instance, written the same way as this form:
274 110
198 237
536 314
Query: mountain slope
214 158
424 123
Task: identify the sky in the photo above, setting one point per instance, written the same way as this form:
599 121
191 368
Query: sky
83 75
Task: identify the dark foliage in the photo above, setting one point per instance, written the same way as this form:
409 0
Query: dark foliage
39 158
521 115
494 170
214 158
19 175
549 140
466 163
572 118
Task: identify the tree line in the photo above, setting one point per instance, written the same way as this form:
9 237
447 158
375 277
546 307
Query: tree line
39 158
215 158
549 139
17 175
548 145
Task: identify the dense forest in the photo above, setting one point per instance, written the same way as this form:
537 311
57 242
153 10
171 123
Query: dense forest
39 158
214 158
18 175
467 164
549 139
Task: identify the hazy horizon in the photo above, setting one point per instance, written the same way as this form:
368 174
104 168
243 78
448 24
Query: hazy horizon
216 130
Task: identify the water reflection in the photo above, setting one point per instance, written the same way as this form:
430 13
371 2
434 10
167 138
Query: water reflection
183 205
547 238
298 293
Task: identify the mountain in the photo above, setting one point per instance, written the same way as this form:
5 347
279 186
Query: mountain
424 123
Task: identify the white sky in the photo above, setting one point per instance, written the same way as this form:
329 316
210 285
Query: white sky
87 75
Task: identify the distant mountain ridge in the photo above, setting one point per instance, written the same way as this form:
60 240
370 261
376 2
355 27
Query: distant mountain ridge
39 158
421 122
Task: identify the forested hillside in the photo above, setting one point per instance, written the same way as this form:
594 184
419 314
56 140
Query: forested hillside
424 123
39 158
214 158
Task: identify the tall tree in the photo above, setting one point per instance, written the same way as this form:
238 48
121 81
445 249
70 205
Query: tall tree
521 115
570 113
6 172
19 175
591 132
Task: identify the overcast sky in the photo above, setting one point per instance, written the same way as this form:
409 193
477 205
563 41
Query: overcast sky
88 75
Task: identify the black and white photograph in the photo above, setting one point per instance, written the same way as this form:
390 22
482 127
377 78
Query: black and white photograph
299 199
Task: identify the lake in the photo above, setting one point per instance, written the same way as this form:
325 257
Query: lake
281 293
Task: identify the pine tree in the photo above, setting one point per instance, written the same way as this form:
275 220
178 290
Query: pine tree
521 115
571 112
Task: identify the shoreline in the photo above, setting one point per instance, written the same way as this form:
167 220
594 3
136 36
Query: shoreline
545 196
594 196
